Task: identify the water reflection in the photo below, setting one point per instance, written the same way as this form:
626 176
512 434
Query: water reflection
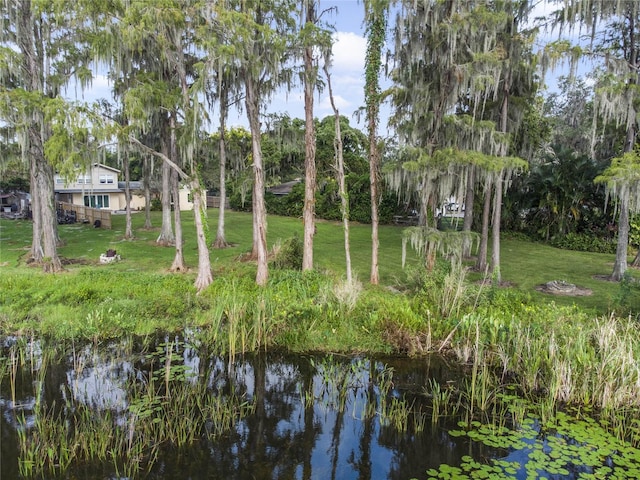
314 416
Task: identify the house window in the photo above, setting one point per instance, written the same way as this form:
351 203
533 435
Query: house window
86 180
106 178
96 201
59 180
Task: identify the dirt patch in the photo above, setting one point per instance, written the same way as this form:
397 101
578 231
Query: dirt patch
557 287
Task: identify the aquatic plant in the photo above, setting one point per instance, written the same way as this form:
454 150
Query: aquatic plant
169 406
565 446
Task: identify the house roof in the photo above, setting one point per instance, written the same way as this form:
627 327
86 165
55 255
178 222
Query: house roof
284 188
106 167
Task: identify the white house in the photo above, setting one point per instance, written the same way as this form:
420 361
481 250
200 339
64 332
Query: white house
99 187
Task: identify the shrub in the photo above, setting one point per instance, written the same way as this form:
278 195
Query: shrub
288 255
584 243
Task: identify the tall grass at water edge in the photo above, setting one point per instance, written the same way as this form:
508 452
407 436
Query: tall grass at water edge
560 351
170 407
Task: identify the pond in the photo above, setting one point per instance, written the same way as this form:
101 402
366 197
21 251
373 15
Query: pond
169 409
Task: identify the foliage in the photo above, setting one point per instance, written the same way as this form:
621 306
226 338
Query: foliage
622 179
14 184
328 201
584 242
288 255
628 291
634 230
559 197
577 444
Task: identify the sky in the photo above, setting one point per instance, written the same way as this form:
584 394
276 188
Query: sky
347 72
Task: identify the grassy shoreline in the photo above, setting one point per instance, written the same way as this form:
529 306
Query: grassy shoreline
412 312
524 264
526 355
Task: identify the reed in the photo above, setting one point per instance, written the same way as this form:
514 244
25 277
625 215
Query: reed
171 407
443 403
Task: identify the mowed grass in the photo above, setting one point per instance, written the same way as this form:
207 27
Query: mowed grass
524 264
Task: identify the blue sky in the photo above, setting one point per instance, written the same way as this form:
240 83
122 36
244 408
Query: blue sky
347 71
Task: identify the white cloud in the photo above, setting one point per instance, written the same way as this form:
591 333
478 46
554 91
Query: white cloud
341 103
349 51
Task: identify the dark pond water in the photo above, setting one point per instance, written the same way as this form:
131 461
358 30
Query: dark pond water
310 417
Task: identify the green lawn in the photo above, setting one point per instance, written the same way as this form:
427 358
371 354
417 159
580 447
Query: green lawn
524 264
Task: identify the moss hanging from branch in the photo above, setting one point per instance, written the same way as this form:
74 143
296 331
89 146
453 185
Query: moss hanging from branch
427 242
622 180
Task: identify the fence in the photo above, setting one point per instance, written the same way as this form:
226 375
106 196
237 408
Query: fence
87 214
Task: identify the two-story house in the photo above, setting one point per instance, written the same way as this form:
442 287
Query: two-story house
99 187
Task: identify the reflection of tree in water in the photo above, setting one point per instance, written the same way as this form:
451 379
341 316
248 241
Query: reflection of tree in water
314 417
363 464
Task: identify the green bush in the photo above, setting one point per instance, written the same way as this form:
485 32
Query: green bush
328 204
584 243
156 205
289 255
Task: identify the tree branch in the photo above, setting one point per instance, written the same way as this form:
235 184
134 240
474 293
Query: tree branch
161 156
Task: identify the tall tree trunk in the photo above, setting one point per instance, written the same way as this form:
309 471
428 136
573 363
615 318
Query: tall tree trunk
128 232
375 242
636 260
205 276
221 241
481 262
620 264
497 205
146 166
259 208
468 211
376 24
342 190
166 236
309 209
495 230
51 261
178 264
37 252
174 182
29 37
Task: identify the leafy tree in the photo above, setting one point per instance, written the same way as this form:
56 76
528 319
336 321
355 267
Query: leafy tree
260 33
175 84
354 148
516 90
42 49
451 60
561 195
316 42
338 146
614 38
622 179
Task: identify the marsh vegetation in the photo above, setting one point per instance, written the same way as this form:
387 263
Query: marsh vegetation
125 370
